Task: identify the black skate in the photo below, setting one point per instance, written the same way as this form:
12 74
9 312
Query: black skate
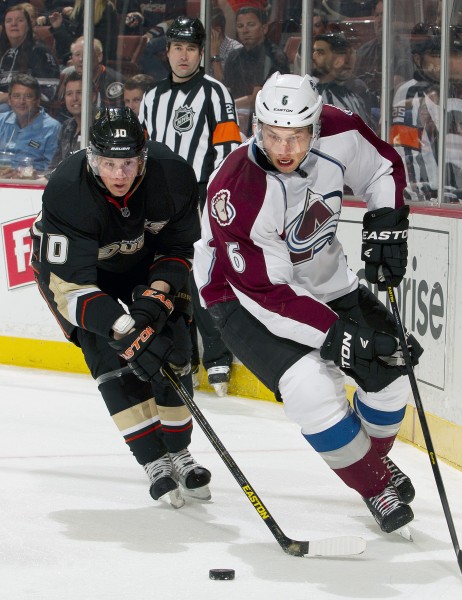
388 510
218 378
160 473
192 477
402 483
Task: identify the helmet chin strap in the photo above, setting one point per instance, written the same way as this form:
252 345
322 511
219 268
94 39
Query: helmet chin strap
187 76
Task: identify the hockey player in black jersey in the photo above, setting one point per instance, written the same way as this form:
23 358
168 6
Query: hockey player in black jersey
113 250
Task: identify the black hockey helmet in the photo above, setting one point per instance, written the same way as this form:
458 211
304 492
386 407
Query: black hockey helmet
117 133
185 29
425 37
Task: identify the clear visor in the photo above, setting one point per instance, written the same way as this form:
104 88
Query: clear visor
283 140
107 166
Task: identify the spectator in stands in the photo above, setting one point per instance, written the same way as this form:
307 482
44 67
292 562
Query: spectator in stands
220 44
105 23
20 53
130 17
109 84
320 25
247 69
67 26
154 60
134 89
369 57
69 136
156 13
415 127
333 63
27 131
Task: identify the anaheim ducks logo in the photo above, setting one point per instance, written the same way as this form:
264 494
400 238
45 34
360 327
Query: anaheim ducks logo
222 209
183 119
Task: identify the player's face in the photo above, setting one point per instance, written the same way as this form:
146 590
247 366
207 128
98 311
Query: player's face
132 99
286 147
118 174
184 59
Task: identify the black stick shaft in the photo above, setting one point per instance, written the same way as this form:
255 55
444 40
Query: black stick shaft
423 422
286 543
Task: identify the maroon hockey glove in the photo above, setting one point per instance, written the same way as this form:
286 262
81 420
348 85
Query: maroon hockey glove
362 354
150 307
145 352
384 248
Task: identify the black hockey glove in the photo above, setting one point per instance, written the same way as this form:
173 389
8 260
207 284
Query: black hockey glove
150 307
362 354
384 248
145 352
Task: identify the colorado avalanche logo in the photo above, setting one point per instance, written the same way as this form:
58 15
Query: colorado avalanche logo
222 209
183 119
314 227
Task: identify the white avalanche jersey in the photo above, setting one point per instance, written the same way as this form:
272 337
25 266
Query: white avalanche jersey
269 239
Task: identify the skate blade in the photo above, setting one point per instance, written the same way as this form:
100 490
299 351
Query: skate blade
404 532
202 493
221 389
176 498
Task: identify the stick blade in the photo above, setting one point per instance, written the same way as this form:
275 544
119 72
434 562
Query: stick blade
337 546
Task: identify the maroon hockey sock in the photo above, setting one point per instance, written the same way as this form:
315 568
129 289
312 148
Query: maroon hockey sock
368 476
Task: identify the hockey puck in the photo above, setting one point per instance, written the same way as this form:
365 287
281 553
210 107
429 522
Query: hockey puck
221 574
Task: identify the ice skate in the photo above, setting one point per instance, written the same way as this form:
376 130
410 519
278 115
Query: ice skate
163 482
218 378
402 483
387 509
192 477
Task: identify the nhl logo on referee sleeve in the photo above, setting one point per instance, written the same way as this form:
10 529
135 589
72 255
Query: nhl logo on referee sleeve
222 209
183 120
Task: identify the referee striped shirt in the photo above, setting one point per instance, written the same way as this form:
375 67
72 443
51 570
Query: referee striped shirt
196 119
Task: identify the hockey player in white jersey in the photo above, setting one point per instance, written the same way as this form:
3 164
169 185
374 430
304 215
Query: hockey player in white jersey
274 277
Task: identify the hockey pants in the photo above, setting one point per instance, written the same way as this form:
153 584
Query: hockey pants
351 440
150 416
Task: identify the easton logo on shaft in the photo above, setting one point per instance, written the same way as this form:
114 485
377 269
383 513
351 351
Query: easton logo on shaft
255 501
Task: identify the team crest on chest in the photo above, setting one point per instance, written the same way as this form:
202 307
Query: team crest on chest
154 226
222 209
183 119
314 227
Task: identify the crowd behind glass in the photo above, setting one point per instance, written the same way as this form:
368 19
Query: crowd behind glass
41 64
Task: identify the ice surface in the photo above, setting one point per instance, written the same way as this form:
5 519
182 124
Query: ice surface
77 521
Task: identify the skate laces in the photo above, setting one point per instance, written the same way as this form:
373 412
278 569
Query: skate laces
162 467
386 502
397 476
183 462
223 371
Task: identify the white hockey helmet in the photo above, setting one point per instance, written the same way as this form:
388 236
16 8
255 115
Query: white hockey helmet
289 101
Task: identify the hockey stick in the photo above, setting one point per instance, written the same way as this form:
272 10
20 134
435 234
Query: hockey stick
336 546
423 421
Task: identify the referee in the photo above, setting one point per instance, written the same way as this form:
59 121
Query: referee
195 116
